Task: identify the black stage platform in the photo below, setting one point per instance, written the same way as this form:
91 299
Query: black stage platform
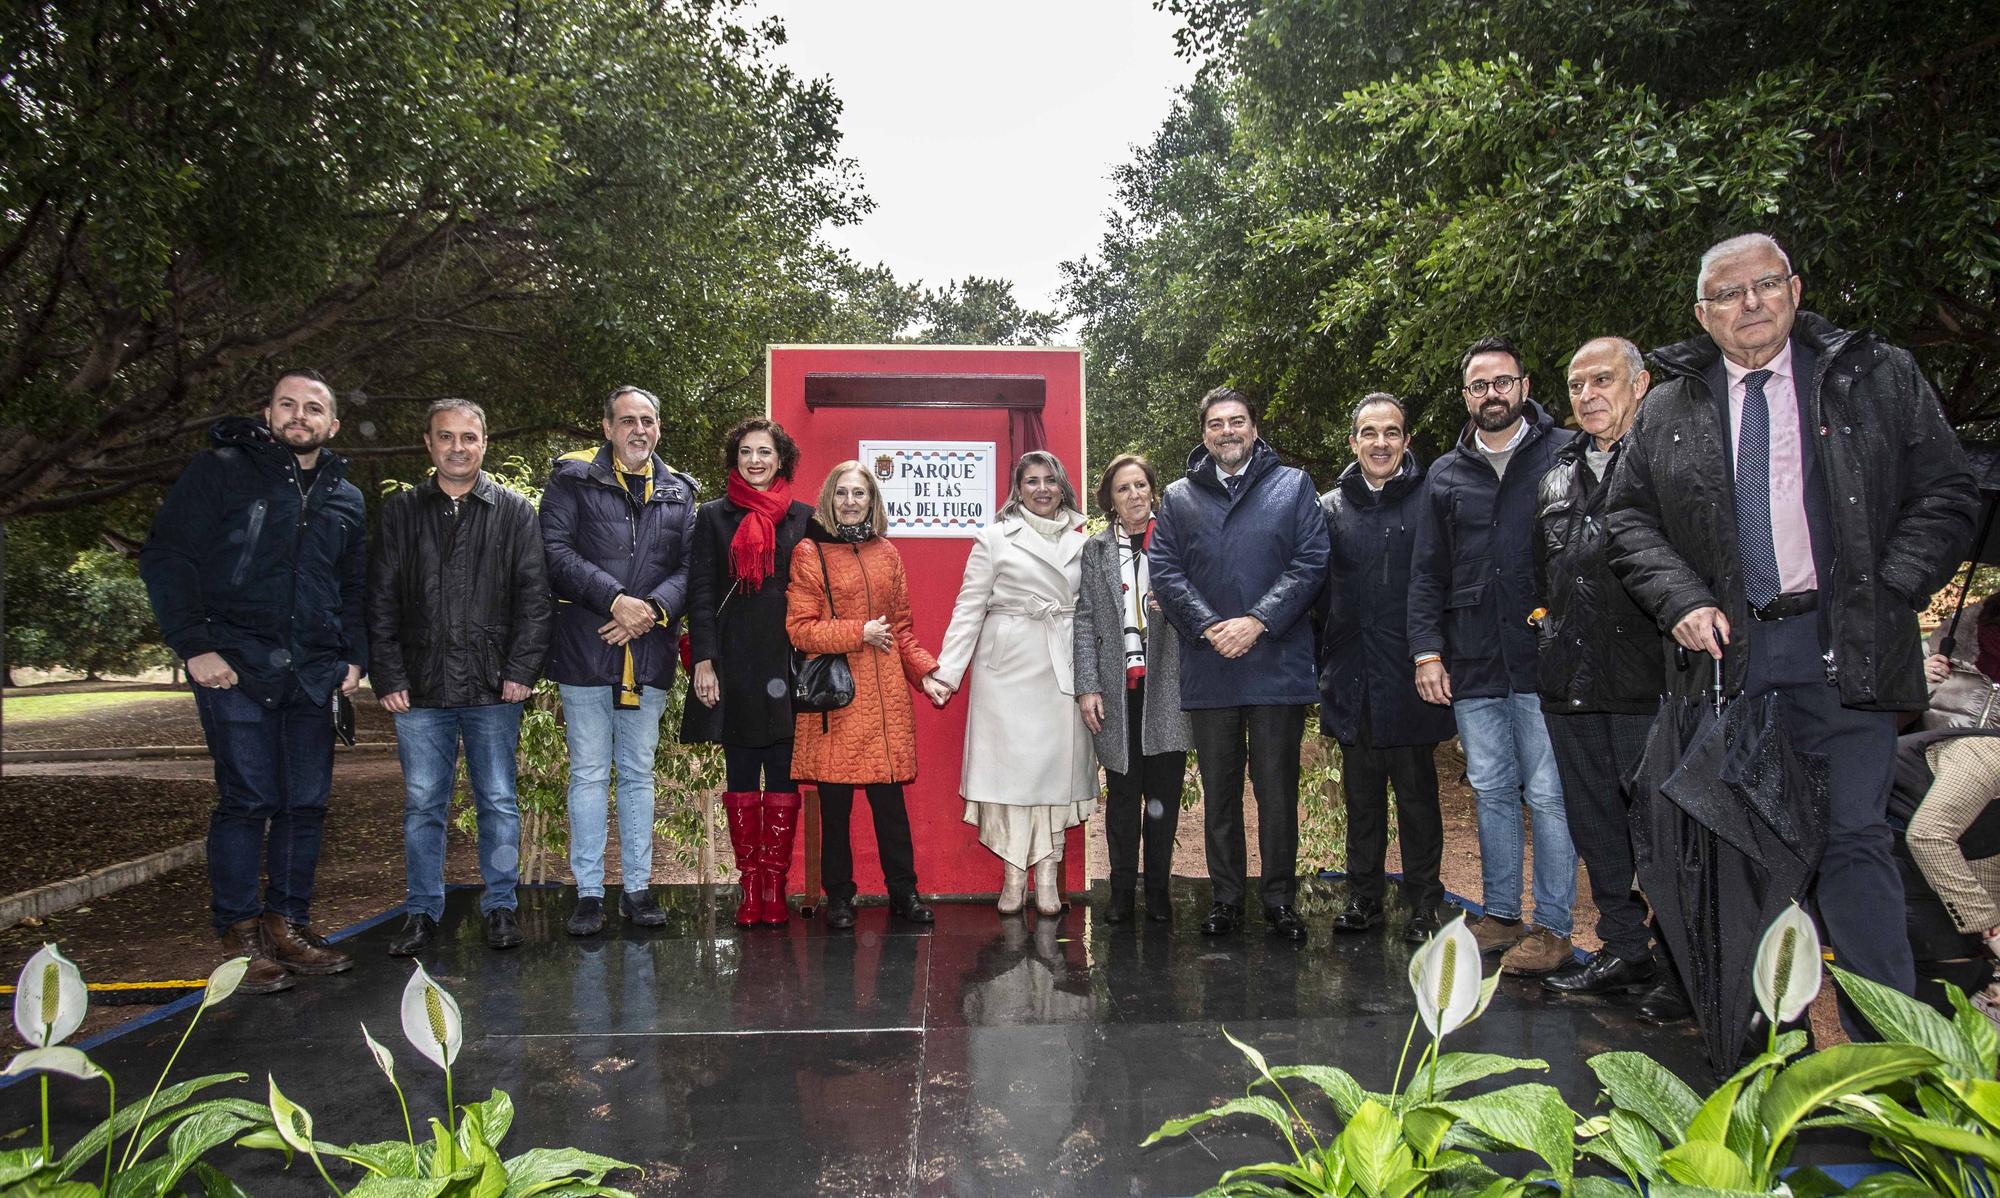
986 1055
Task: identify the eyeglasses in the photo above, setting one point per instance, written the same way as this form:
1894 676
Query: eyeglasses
1767 289
1499 385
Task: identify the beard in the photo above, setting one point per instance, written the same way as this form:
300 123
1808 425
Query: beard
1231 455
1496 414
299 440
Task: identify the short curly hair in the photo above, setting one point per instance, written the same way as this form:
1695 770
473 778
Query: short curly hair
788 449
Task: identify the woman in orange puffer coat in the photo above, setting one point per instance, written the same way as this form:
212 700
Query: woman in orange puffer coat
872 742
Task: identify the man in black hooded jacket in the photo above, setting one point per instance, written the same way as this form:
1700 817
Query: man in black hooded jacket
1786 502
256 567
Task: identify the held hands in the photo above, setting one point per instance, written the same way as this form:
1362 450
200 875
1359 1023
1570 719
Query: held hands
706 688
1433 684
1092 706
1937 668
876 632
1699 629
630 619
208 669
934 687
1233 638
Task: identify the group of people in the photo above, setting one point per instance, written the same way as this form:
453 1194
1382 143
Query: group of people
1778 508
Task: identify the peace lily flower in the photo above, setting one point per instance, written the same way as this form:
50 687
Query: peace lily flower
49 999
1787 971
223 982
431 1020
55 1059
387 1064
1444 973
295 1128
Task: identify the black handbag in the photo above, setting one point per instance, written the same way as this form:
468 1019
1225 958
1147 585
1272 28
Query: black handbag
822 682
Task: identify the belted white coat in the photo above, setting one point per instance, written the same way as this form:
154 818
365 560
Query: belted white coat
1025 741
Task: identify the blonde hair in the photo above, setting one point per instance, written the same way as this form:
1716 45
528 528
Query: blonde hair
878 516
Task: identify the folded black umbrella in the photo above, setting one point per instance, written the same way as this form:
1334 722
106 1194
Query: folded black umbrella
1728 825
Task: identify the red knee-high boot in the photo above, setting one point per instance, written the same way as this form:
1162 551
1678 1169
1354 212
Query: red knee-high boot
781 820
746 831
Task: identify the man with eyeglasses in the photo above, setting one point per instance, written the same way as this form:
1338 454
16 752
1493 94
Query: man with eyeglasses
1786 502
1472 587
617 529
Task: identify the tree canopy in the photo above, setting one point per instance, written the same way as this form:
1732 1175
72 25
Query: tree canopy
1352 191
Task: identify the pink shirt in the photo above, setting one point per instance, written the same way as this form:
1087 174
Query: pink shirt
1790 535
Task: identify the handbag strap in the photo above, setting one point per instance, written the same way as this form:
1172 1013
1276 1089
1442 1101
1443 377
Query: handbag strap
824 580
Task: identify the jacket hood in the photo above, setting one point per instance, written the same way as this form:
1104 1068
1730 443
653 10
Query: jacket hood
254 436
1696 356
1539 424
1409 475
1202 472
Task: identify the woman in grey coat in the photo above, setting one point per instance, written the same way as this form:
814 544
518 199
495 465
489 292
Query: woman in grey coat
1128 686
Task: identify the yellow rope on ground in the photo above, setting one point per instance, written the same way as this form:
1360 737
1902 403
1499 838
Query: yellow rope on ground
193 985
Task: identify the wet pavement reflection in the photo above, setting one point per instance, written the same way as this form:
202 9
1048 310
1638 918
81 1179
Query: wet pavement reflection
984 1055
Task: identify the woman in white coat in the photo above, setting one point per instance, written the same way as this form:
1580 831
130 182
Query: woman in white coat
1029 774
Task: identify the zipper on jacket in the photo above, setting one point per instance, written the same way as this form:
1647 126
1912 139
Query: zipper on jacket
868 602
1813 420
250 535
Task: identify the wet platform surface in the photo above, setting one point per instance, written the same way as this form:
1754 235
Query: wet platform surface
984 1055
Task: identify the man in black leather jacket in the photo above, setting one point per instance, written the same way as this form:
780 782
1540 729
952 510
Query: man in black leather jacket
1800 564
1601 661
458 624
254 567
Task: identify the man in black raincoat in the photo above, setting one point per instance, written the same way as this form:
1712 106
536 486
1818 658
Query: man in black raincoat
1792 492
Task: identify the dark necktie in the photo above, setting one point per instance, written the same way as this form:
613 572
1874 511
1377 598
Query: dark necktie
1753 494
1234 484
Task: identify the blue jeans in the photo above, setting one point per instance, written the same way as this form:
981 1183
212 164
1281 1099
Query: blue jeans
1506 748
273 772
427 741
599 734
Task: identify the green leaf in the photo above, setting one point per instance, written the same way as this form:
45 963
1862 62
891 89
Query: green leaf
540 1170
1977 1030
1599 1187
215 1184
1711 1121
1528 1116
1338 1085
1460 1068
1705 1163
20 1163
91 1146
1254 1104
400 1187
495 1115
1637 1083
1372 1145
389 1158
1814 1081
1890 1185
1979 1096
1900 1019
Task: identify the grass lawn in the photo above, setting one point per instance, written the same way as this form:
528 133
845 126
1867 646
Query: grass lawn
32 709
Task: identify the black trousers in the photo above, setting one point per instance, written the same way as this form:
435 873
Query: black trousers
1272 735
1595 753
892 838
764 767
1142 804
1366 774
1859 892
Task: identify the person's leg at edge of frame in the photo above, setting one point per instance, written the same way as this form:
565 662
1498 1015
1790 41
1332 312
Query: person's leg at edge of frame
1555 855
587 733
1276 733
1419 833
636 740
492 740
1221 757
427 747
240 735
836 852
1486 734
305 770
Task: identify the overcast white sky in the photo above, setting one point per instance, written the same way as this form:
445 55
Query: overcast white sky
986 131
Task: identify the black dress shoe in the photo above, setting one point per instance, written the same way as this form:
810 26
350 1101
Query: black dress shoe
1123 907
911 909
1422 926
1223 918
588 918
1159 906
839 912
1604 973
501 930
643 910
419 930
1357 917
1665 1003
1286 923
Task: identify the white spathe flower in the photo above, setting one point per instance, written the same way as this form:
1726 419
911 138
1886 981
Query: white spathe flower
223 982
1787 971
50 998
57 1059
294 1122
383 1060
1444 974
431 1021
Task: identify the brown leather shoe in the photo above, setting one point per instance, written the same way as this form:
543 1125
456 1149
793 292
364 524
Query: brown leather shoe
1541 951
298 950
265 975
1494 936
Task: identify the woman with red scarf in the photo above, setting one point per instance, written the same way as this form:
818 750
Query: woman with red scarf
741 678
